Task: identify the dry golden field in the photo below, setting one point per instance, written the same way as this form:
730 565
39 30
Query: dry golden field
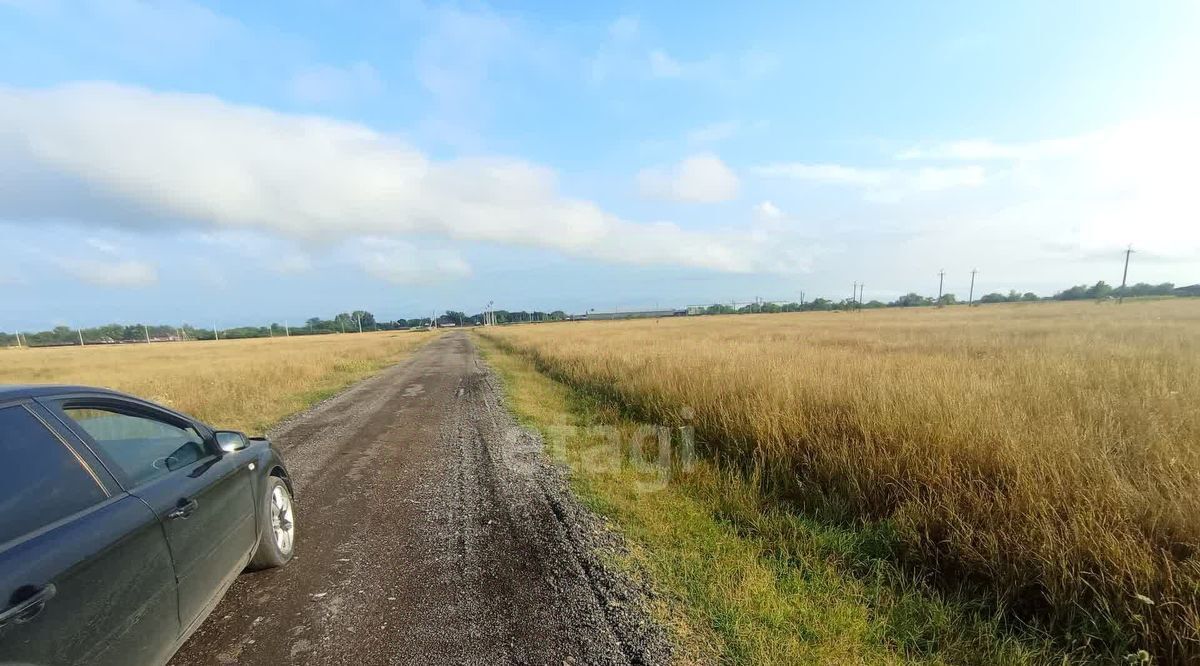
242 384
1046 454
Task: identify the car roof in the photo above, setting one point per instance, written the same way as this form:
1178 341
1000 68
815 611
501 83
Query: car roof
18 391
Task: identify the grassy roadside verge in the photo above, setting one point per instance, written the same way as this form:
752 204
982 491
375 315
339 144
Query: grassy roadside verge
745 582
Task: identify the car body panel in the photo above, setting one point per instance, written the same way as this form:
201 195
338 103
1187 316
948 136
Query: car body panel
111 563
215 543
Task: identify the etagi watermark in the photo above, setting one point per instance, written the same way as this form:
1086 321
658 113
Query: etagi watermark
655 452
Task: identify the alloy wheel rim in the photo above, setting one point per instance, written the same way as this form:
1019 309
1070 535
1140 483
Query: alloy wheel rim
283 524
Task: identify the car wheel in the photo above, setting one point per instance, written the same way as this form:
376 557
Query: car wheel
277 542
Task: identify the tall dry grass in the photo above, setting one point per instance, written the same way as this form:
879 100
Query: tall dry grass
1049 453
241 384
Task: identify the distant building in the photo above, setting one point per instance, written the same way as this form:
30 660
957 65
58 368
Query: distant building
1190 290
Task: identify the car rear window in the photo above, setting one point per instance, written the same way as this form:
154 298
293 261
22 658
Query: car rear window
41 480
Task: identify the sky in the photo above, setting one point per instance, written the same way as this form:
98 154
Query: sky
240 163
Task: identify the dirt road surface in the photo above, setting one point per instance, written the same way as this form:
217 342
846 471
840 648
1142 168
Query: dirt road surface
431 530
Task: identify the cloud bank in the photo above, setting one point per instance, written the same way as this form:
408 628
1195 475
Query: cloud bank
700 178
400 262
121 156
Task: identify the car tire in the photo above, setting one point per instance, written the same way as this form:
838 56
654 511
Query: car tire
277 542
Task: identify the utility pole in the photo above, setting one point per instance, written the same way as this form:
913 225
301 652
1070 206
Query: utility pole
216 333
80 332
801 300
854 295
146 331
359 318
861 287
287 332
343 323
971 294
1125 275
941 279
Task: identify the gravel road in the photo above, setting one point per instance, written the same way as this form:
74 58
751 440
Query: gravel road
431 530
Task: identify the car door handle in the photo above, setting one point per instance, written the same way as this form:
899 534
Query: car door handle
183 509
28 608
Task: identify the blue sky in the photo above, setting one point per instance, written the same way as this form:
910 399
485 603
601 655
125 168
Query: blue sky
238 163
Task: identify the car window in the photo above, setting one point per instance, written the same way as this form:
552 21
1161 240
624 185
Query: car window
143 448
41 480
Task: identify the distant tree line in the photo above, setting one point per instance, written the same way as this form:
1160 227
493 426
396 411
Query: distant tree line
1099 290
1103 290
347 322
350 322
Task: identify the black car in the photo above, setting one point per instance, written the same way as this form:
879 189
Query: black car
122 523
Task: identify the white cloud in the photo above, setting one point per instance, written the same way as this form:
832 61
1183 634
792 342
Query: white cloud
768 211
702 178
1132 182
1027 212
326 83
401 262
111 273
881 184
104 154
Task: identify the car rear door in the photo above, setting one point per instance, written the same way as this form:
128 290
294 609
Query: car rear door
85 573
203 497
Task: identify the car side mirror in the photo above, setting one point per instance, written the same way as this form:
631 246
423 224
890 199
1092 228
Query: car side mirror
231 440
